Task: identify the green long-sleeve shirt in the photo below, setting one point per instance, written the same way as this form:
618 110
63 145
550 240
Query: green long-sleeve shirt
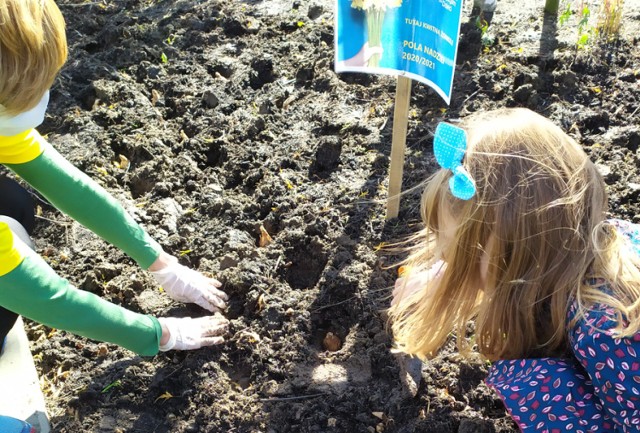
28 286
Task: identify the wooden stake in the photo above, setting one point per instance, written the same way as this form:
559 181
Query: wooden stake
398 144
551 7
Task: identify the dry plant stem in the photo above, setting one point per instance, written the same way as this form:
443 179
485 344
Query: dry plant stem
610 18
300 397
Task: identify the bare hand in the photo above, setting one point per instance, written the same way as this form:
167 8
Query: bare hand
414 281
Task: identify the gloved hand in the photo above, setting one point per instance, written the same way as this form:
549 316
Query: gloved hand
486 5
187 333
186 285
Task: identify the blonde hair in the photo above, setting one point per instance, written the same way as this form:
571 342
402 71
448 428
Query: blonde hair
538 218
33 48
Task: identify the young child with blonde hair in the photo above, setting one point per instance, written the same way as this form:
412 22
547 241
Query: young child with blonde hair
517 240
33 48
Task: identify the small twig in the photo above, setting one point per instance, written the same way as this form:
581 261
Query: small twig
37 197
300 397
275 268
421 139
77 5
324 307
54 221
172 373
470 96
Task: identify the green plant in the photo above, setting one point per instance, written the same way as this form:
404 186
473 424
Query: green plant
482 25
114 384
607 23
164 58
486 38
564 17
585 29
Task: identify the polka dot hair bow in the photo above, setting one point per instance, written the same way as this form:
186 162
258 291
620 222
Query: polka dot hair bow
449 146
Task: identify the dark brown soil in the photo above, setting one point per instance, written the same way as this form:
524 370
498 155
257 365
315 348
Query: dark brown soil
231 118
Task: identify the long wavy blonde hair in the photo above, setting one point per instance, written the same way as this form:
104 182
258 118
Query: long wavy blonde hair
537 222
33 48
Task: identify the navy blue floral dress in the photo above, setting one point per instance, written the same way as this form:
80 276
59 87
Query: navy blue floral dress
597 390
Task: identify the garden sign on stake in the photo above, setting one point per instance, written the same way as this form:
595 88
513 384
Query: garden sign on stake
413 39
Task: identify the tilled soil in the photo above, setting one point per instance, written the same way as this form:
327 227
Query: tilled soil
211 119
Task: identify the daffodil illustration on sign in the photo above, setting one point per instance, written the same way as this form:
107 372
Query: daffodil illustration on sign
375 11
416 39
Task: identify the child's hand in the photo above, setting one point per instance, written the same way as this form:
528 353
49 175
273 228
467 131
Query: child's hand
186 285
406 285
188 334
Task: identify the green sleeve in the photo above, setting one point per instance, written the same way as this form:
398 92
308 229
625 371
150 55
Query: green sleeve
77 195
35 291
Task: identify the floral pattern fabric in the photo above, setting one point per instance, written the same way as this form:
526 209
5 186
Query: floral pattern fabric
549 396
597 390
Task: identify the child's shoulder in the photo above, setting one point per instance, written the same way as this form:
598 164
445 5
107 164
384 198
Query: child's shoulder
593 335
629 231
597 316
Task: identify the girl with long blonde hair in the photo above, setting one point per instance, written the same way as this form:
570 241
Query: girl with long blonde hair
516 240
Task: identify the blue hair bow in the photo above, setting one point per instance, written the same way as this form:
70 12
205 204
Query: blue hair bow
449 146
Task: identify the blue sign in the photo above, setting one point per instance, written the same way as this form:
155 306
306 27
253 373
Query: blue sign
414 38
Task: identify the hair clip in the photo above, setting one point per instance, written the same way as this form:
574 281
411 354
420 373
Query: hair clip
449 146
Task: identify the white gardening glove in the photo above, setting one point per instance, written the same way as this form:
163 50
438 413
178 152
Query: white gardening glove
187 333
186 285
